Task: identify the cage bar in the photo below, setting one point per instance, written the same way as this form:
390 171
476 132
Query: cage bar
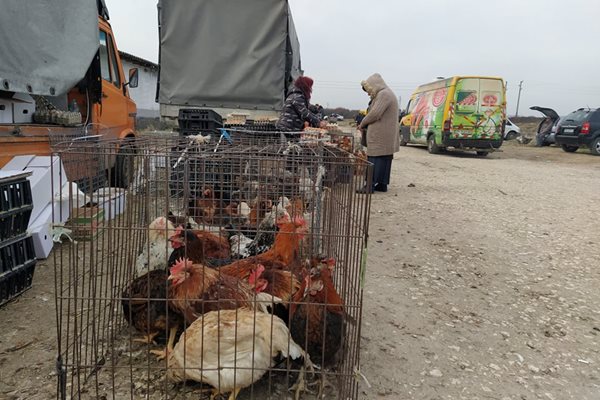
237 195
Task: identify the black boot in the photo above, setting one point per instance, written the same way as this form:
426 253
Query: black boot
380 187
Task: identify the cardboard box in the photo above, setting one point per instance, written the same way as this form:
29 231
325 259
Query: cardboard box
6 111
86 222
111 200
45 181
23 108
41 228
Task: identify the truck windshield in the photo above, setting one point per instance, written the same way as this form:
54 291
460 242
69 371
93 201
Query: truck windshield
115 65
104 63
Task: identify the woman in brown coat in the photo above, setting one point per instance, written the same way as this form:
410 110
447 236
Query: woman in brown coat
381 124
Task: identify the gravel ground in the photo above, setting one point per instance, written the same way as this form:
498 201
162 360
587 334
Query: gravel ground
483 278
482 283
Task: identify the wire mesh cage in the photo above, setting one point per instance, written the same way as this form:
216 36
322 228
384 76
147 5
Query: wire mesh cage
228 267
84 164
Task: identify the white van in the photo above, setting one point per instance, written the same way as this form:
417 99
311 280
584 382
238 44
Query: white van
511 131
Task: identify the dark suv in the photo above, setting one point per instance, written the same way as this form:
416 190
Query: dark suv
580 128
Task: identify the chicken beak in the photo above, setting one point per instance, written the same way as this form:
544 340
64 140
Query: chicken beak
176 242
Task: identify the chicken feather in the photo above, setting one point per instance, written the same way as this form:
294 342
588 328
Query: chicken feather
230 349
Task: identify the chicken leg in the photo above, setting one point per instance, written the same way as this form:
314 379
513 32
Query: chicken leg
301 385
324 382
234 394
162 354
147 339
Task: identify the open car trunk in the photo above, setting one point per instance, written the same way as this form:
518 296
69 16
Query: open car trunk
547 123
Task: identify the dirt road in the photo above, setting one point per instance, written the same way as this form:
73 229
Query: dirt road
482 284
483 278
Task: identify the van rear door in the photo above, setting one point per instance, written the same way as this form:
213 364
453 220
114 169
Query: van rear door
479 108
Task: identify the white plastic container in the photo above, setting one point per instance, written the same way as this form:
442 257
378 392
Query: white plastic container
111 199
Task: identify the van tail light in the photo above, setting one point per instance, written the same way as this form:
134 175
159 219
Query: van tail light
585 128
447 124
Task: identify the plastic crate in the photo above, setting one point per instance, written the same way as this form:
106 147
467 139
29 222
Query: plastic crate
17 265
203 128
255 126
193 121
16 204
198 114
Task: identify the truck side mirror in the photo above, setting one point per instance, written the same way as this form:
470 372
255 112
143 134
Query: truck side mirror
133 77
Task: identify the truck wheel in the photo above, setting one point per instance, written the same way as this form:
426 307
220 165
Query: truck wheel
122 173
569 148
432 147
483 153
595 146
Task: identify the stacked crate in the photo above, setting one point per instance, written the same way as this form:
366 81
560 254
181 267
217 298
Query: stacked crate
17 254
194 121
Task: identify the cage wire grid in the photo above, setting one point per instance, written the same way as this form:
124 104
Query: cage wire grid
237 187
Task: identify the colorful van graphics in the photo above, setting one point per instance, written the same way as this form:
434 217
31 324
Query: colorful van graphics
458 112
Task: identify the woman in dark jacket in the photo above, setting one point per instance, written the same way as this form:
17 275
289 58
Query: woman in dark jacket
297 109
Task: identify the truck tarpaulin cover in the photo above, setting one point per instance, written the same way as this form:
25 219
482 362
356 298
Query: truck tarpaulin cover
234 53
46 46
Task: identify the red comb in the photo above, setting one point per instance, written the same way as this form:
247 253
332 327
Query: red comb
180 264
299 221
283 220
255 274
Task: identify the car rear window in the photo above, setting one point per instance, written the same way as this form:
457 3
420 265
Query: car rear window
596 116
576 117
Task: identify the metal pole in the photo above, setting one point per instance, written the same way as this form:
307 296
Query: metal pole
519 98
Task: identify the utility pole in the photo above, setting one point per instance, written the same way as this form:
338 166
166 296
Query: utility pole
519 98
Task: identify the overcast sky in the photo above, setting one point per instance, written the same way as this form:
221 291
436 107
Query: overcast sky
551 45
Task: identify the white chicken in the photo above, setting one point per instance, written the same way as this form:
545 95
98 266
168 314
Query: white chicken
155 253
239 245
230 349
243 210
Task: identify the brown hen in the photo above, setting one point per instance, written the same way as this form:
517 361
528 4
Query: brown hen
196 289
283 253
145 307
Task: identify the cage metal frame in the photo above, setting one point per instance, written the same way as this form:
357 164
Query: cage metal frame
96 355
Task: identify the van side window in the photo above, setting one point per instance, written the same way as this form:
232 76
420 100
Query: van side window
104 60
411 104
115 67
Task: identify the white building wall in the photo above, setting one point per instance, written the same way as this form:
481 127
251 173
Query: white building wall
145 93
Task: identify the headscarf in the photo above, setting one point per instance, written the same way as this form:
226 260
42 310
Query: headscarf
304 83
